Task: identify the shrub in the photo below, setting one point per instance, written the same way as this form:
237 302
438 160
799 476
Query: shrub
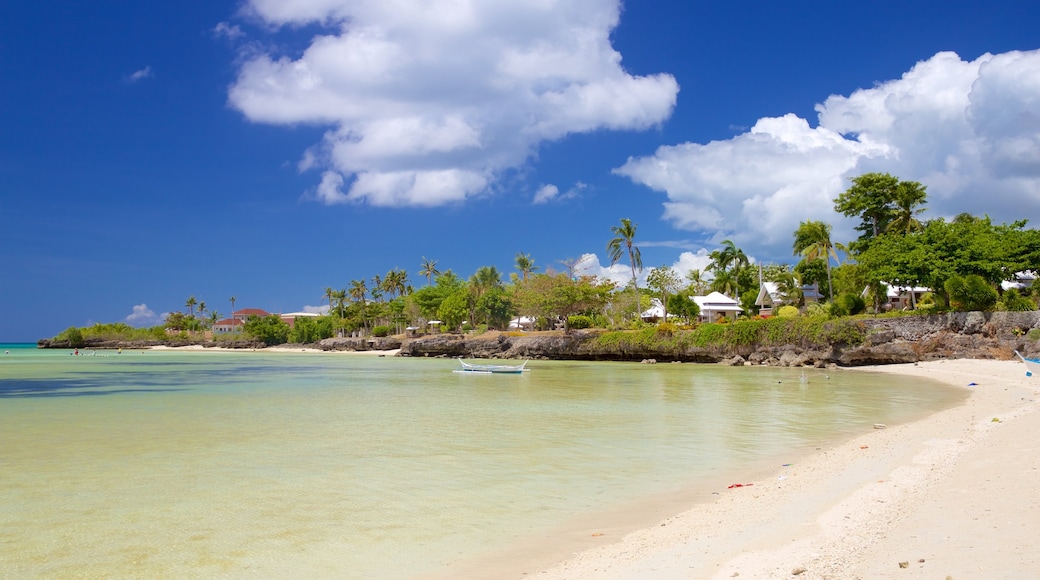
853 303
817 309
971 292
579 321
381 331
666 328
1014 301
787 311
837 308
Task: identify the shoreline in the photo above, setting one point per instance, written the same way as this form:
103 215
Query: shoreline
947 495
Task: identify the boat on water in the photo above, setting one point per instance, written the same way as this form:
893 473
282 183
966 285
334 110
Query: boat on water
1032 364
483 369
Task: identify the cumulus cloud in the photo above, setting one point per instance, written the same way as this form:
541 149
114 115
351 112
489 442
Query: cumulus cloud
969 130
427 104
323 309
621 273
139 75
143 316
549 193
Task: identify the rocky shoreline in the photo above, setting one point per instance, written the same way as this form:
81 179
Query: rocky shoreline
984 335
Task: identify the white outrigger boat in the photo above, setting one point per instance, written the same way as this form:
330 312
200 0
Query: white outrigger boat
1032 364
491 369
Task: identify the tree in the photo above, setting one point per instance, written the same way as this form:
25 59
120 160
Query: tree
548 296
680 304
429 269
232 299
870 198
971 293
812 240
269 330
190 305
726 262
697 284
665 281
623 242
525 264
907 203
327 297
452 310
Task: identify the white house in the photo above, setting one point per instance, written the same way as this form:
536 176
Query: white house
768 296
717 305
655 312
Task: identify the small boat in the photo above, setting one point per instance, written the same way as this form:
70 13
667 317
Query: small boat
491 369
1032 364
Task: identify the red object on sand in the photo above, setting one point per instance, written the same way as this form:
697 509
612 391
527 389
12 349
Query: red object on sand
741 485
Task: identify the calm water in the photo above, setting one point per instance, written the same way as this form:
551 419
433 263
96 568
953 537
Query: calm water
247 464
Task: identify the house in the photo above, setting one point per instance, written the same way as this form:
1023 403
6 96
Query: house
290 318
717 305
238 318
1022 281
769 296
900 297
655 313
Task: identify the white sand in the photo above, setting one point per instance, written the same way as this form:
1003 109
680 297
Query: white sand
954 495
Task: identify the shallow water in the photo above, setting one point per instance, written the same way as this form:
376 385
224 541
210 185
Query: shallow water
321 465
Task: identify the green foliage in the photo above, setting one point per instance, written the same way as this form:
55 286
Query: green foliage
836 309
381 331
818 310
308 329
1013 301
804 332
454 308
851 304
971 293
579 321
73 335
788 311
1033 334
269 330
683 306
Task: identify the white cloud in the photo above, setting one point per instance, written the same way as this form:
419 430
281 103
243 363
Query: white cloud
143 316
551 193
970 131
224 29
323 309
546 193
142 74
430 102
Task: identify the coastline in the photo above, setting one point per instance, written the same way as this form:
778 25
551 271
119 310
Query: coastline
947 495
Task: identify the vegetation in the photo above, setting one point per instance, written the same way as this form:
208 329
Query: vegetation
960 261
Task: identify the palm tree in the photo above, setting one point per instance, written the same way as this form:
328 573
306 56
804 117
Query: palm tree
202 308
525 264
377 288
728 260
812 240
697 283
429 269
396 282
190 305
329 292
233 327
358 290
485 278
908 199
625 234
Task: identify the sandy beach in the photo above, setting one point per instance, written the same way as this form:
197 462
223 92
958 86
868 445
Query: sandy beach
951 496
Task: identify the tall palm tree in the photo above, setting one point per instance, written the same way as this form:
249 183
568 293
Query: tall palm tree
394 283
377 288
728 260
484 279
623 242
190 305
202 309
908 199
233 327
358 290
327 297
812 240
525 264
697 283
429 269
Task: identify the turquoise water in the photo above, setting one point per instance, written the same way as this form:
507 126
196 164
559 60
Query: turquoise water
247 464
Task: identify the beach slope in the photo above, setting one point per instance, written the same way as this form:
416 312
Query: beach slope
952 495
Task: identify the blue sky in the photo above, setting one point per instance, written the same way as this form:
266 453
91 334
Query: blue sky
268 149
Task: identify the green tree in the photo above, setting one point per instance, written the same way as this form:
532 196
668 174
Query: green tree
622 243
664 281
971 292
453 309
525 264
269 330
812 240
908 203
190 305
870 198
682 305
726 262
429 269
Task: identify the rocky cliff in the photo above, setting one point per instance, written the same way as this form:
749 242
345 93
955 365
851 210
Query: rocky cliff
993 335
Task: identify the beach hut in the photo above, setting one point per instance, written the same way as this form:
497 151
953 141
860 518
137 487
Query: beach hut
717 305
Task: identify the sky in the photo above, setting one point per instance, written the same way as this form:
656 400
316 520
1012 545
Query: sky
268 149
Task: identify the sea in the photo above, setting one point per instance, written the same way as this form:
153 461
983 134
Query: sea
252 464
